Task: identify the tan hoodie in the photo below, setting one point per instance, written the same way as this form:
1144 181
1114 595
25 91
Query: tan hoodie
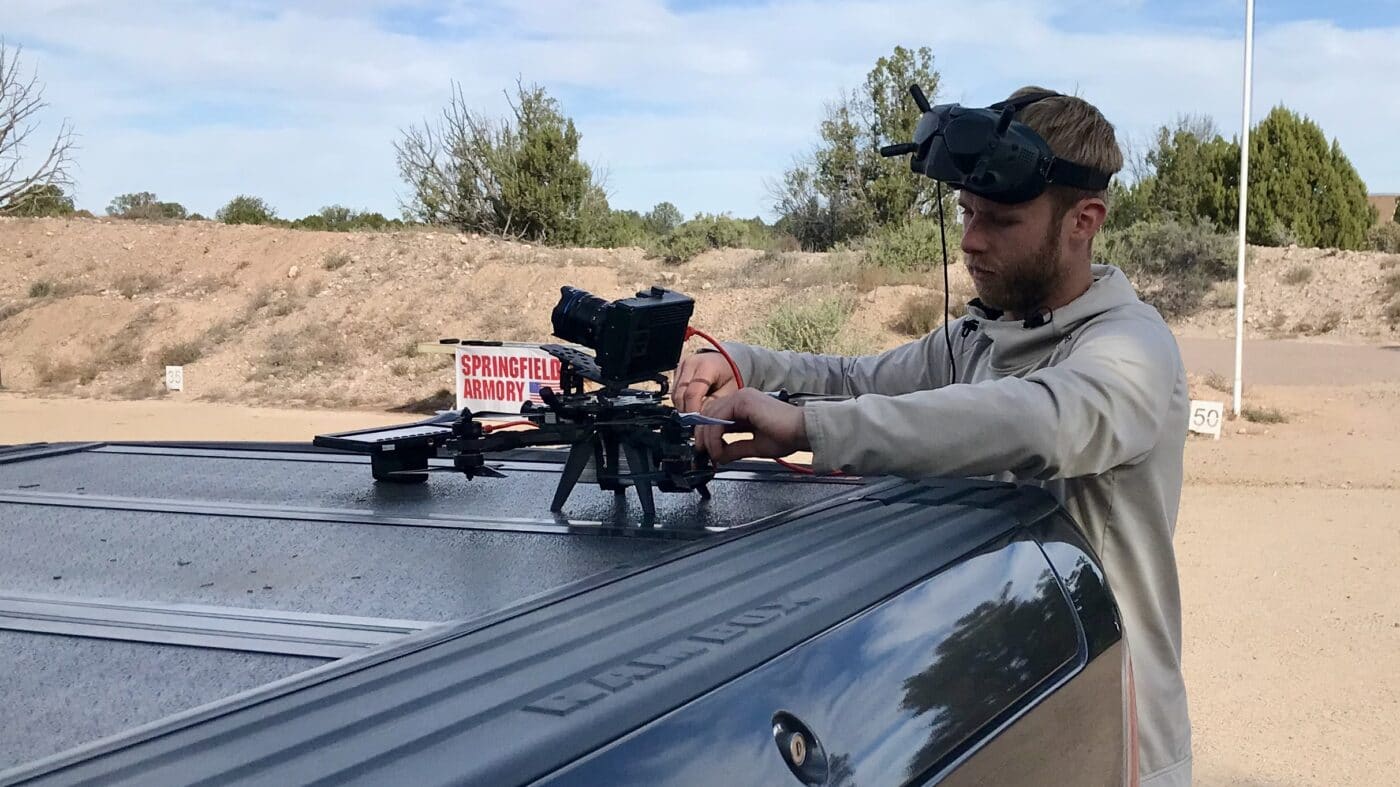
1091 405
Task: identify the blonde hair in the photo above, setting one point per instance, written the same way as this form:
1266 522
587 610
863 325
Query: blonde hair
1075 130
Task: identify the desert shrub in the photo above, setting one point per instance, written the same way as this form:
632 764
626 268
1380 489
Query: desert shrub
811 327
133 284
702 233
1217 381
40 200
334 260
244 209
144 205
1172 264
1298 274
1384 237
49 372
1259 414
1391 313
1390 286
298 354
179 354
42 288
911 246
923 314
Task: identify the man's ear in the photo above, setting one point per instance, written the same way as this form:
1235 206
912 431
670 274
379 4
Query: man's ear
1087 217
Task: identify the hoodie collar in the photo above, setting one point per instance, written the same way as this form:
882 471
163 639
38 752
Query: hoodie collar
1015 346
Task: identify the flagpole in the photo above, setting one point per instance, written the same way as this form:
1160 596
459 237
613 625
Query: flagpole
1244 198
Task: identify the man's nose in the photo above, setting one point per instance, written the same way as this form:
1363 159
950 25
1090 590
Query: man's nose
974 241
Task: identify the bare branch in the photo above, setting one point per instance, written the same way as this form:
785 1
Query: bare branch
21 103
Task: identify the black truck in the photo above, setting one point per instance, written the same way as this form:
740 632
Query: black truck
184 613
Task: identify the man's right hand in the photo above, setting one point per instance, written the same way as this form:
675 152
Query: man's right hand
699 378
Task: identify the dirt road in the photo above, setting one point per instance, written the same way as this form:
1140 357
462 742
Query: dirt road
1287 362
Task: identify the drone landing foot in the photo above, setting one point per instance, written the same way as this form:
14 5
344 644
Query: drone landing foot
638 462
579 457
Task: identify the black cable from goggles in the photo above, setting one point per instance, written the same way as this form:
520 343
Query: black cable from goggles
947 323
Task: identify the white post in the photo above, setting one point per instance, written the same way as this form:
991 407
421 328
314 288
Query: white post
1244 199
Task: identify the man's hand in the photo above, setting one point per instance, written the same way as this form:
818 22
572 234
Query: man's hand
778 428
699 378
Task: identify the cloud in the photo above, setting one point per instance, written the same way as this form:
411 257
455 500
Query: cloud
300 103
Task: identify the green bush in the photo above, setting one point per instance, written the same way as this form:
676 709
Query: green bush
144 205
663 218
812 327
37 201
244 209
338 218
520 176
702 233
911 246
1172 264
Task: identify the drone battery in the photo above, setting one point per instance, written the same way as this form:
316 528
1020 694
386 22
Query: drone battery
368 441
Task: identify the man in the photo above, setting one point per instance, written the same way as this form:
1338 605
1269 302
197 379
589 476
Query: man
1063 378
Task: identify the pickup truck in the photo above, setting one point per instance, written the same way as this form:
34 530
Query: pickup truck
264 613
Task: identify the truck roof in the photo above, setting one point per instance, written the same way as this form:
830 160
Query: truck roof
200 609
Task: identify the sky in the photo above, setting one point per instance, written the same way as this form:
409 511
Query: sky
702 103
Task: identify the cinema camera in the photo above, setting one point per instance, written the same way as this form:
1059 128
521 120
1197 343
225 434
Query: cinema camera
628 435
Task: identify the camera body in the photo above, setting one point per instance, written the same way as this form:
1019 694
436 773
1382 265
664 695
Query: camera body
634 339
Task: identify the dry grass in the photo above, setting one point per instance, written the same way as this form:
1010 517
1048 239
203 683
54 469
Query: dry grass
1258 414
1296 275
179 354
11 309
1222 295
1391 312
922 314
1325 324
812 327
50 372
1390 286
294 355
1217 381
42 288
335 260
133 284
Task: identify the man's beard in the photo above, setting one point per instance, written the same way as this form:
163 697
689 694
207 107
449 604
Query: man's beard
1021 286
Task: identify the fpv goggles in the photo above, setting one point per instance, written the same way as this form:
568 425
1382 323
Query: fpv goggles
988 152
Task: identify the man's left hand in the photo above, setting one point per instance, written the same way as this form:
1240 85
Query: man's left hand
778 428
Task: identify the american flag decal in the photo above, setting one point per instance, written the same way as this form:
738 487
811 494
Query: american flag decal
534 391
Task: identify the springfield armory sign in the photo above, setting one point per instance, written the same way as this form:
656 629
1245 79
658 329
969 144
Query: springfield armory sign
503 378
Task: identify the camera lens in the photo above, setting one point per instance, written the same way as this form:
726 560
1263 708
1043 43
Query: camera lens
578 317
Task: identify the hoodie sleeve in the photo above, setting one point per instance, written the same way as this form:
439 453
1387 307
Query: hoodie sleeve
915 366
1101 407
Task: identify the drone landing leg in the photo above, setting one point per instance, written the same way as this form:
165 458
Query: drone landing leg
638 465
608 464
573 469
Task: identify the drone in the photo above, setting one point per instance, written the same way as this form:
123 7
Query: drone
627 434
